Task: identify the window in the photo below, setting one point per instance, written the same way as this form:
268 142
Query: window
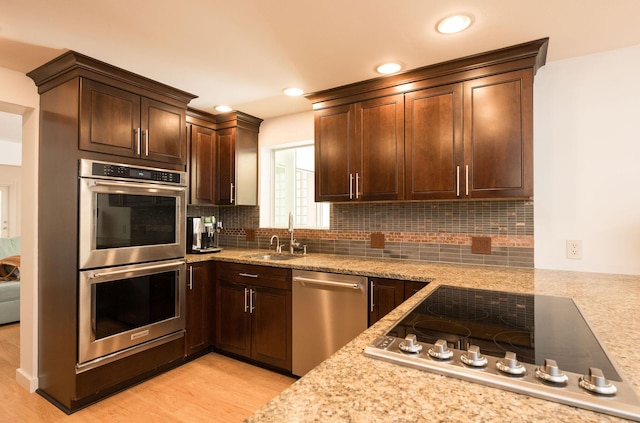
294 190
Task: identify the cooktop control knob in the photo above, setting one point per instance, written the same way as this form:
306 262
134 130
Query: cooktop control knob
597 383
473 357
440 350
550 372
410 344
510 364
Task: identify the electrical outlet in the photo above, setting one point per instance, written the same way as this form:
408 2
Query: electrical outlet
574 249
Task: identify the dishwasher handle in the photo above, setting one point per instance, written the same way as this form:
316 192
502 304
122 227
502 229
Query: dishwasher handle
312 281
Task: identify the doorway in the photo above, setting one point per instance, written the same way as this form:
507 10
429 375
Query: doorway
10 173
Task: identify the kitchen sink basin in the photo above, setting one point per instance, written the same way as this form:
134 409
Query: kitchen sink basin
273 256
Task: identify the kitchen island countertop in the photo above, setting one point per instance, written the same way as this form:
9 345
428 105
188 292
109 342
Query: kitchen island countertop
349 387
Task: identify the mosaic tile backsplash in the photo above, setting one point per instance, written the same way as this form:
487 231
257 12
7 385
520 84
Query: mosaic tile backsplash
429 231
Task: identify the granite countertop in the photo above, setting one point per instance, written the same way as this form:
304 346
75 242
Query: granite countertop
349 387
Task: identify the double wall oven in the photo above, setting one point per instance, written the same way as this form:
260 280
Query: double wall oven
132 272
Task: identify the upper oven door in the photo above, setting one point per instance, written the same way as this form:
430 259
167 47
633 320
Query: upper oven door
130 222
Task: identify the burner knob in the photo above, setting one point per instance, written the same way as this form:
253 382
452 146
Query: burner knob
551 373
473 357
596 382
510 364
440 350
410 344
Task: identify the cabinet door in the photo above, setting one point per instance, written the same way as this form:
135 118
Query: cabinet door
498 135
163 132
334 132
109 119
384 296
198 308
246 160
379 149
271 327
433 144
233 321
226 165
202 170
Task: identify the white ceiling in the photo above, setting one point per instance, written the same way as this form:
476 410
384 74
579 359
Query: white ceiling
244 52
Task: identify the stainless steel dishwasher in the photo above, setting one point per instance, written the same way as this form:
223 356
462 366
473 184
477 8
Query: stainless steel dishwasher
329 310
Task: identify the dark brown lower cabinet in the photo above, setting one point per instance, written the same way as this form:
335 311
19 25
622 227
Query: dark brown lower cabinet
253 313
387 294
198 307
411 287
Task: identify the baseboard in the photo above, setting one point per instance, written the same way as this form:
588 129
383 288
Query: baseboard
26 381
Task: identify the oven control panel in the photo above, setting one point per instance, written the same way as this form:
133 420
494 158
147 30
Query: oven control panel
126 172
123 172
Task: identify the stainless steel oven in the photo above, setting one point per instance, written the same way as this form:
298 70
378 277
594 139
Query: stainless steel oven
130 214
126 309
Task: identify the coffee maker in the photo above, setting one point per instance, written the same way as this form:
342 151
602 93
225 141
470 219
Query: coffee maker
202 234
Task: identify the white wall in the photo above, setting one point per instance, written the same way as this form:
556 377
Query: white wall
10 153
587 162
18 94
283 131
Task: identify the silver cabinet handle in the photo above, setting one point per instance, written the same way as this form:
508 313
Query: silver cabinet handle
190 277
248 275
457 181
252 294
246 306
146 142
357 185
371 303
351 186
303 281
232 188
466 176
139 146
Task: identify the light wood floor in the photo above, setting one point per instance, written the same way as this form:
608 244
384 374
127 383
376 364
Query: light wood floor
212 388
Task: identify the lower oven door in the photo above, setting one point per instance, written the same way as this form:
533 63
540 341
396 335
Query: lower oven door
125 309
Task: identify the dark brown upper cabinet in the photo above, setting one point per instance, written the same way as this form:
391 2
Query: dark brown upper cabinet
202 170
461 129
498 135
491 158
119 115
237 159
223 164
433 143
360 151
121 123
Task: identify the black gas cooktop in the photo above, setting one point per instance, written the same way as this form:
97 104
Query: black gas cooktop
534 344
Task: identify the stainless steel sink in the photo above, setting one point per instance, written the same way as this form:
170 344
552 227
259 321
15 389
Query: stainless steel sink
273 256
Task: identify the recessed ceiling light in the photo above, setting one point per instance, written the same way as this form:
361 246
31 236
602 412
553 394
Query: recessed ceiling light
293 92
454 24
224 109
387 68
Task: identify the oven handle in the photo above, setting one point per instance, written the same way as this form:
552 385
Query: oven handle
118 272
149 186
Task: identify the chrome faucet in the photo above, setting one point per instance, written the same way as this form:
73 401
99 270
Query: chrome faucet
278 246
293 241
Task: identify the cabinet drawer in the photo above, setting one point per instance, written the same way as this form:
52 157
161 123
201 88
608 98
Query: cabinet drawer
269 277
